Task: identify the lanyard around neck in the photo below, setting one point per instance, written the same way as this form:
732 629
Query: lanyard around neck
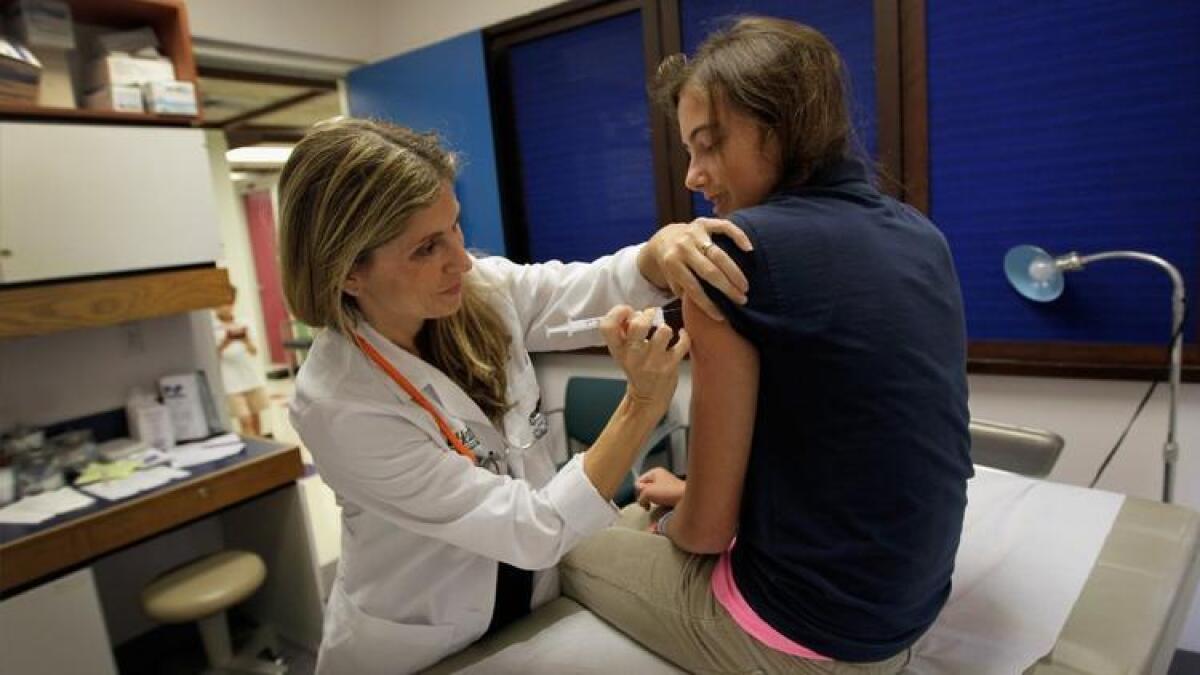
384 365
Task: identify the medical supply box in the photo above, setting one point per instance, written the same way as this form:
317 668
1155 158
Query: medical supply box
170 98
115 97
126 70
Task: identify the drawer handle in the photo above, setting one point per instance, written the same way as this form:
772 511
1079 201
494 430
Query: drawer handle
5 253
202 492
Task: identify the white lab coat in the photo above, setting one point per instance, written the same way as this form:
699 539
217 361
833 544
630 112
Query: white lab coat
422 527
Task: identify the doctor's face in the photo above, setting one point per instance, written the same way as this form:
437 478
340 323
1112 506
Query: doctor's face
418 274
733 162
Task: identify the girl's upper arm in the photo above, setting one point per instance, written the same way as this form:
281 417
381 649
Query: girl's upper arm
725 373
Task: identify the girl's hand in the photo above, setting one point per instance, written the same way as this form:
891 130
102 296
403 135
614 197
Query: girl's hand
659 487
680 254
651 367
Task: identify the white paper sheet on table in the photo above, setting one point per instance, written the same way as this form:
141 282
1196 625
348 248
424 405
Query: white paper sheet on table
37 508
140 481
1028 547
203 452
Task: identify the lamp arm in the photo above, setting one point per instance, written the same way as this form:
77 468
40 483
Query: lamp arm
1073 261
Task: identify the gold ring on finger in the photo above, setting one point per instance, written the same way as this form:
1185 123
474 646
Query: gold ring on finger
705 246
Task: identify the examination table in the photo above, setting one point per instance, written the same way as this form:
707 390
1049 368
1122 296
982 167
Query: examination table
1016 598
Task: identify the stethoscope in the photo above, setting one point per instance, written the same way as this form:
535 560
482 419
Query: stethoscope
495 461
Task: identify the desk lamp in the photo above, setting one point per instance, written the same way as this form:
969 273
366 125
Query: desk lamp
1039 277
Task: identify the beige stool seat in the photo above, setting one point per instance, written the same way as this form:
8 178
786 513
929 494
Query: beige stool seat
204 587
201 591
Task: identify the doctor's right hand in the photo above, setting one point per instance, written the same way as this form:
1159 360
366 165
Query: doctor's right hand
651 366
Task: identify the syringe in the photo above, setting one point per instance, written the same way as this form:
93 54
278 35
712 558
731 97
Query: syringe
580 326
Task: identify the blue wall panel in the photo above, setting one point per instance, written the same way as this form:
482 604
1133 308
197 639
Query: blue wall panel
1072 125
850 25
583 139
443 88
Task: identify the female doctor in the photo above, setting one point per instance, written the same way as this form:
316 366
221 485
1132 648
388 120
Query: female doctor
420 405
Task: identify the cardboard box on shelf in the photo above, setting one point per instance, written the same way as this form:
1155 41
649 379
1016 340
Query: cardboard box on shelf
41 23
56 89
170 98
122 69
116 97
20 74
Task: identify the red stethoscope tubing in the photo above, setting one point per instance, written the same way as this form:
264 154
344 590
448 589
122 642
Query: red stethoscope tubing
416 395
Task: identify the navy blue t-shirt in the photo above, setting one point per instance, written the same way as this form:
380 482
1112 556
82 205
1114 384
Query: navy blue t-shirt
856 485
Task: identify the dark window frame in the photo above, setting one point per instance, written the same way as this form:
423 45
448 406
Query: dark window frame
903 145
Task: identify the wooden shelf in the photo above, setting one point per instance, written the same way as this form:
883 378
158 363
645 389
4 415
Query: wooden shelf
14 111
169 20
55 307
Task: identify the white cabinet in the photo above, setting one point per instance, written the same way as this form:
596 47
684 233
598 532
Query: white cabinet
57 628
79 200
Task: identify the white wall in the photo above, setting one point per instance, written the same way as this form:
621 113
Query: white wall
362 30
51 378
1090 415
346 29
405 25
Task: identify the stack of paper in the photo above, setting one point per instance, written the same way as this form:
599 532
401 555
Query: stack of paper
101 471
138 482
203 452
36 508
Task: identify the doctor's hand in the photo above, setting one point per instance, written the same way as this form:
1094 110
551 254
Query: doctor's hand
651 366
659 487
681 254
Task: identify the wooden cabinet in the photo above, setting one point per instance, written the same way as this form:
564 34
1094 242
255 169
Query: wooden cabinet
50 308
101 225
57 627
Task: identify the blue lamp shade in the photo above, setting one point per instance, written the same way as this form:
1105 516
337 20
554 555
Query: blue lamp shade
1033 273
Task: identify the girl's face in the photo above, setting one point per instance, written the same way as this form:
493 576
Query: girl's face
418 274
733 161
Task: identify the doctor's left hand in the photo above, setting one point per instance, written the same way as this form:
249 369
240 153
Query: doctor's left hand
659 487
680 254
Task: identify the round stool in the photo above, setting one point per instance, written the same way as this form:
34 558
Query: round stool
201 591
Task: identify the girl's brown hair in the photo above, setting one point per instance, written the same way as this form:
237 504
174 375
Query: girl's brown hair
787 76
348 187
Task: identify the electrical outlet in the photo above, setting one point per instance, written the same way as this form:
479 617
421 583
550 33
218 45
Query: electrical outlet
135 338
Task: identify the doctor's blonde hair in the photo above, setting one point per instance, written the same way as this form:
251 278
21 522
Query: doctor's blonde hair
350 186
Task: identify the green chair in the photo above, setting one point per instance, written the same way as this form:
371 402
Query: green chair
589 403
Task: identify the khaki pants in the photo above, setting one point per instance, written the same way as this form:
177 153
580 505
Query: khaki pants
662 597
